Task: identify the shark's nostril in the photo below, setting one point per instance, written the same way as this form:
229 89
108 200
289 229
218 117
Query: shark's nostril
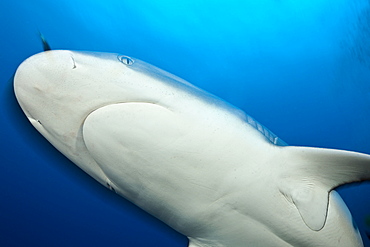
74 63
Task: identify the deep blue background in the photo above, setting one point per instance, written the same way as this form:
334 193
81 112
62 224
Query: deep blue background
302 68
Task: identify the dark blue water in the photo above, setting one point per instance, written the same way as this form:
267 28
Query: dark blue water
302 68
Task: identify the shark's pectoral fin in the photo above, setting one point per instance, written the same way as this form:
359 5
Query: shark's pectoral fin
313 172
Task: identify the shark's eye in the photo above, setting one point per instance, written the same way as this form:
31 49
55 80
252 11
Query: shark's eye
125 60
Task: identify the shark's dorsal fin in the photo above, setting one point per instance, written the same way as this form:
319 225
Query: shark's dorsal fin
314 173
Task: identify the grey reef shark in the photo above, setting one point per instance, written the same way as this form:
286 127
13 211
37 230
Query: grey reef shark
187 157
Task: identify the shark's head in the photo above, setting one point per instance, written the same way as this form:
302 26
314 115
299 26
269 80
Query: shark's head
57 89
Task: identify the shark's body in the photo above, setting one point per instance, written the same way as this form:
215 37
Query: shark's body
185 156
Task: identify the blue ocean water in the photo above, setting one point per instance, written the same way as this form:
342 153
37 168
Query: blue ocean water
301 68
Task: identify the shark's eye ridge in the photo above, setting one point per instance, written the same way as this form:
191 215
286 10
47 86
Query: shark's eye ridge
125 60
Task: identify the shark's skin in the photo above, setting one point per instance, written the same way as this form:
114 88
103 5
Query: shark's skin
195 162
